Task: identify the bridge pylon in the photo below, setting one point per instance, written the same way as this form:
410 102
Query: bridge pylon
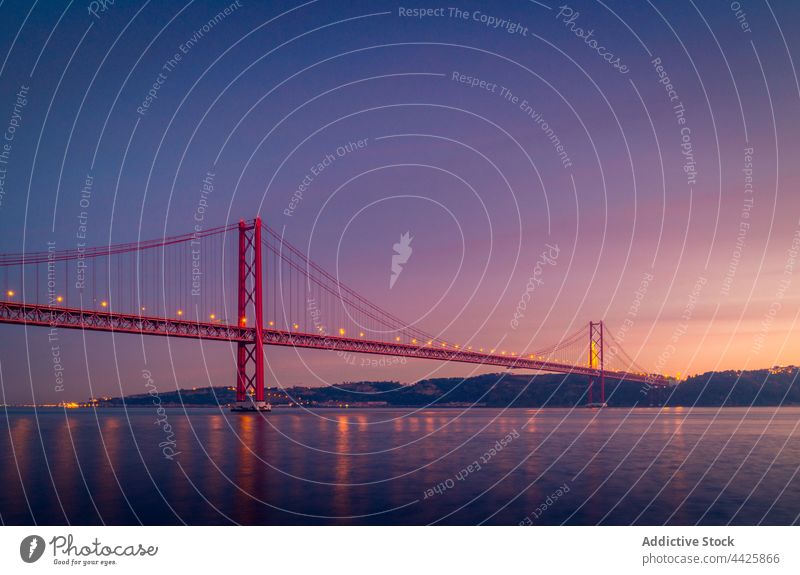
250 354
596 361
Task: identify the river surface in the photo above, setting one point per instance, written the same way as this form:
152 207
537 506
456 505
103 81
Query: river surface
400 466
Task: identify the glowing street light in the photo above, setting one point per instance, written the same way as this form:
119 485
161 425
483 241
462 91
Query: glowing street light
180 311
341 331
104 303
59 299
10 293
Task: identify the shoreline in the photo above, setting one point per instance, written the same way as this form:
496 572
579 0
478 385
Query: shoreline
390 407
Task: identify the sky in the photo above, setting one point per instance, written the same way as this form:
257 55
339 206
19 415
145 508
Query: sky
651 145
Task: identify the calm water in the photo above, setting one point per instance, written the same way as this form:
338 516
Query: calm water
382 466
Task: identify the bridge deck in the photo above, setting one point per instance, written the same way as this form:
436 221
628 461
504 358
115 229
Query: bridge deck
108 321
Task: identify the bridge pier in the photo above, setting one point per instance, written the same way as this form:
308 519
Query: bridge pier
656 395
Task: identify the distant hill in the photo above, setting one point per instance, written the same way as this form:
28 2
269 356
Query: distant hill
764 387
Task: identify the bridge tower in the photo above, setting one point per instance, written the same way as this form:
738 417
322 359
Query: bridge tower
250 354
596 361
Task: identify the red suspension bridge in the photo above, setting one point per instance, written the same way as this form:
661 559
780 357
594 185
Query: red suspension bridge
161 287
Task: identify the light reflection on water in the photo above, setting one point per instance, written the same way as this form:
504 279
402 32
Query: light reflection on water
381 466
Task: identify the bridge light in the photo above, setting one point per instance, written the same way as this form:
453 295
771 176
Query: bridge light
59 299
243 320
361 334
502 352
341 331
295 326
212 316
491 351
10 293
413 341
104 303
271 323
470 348
444 344
180 311
430 341
143 308
397 338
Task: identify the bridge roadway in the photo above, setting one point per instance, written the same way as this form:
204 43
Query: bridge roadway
108 321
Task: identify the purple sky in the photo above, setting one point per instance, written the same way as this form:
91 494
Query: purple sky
569 139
